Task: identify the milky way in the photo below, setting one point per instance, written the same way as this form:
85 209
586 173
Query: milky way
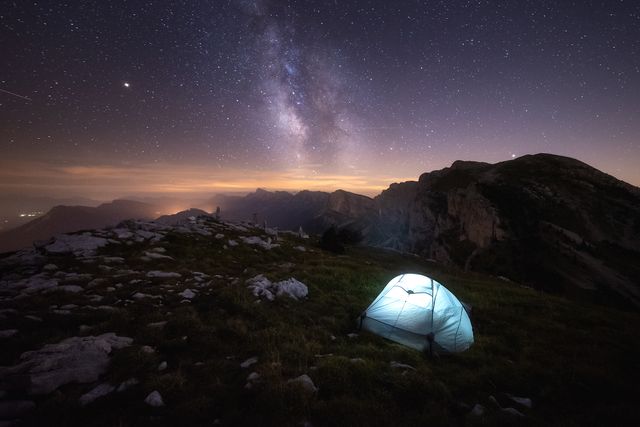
224 95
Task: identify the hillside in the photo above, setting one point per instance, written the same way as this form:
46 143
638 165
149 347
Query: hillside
147 307
551 222
62 219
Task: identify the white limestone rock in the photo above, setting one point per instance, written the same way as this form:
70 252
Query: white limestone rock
305 382
77 244
154 399
95 393
76 359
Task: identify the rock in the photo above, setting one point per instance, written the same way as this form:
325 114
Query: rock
512 412
352 335
219 236
524 401
113 259
162 366
257 241
260 286
160 324
50 267
76 359
163 274
398 365
73 289
147 349
250 361
154 255
232 243
78 244
187 293
34 318
305 382
35 283
11 409
127 384
300 248
477 411
154 399
291 288
8 333
97 392
252 379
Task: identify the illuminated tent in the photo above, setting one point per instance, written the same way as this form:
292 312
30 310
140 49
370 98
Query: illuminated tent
418 312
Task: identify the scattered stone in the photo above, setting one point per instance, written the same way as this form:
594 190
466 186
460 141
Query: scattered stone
127 384
524 401
163 274
252 379
74 289
154 255
162 366
305 382
76 359
78 244
300 248
477 411
97 392
512 412
291 288
8 333
50 267
232 243
398 365
250 361
113 259
219 236
154 399
257 241
160 324
34 318
147 349
187 293
352 335
260 286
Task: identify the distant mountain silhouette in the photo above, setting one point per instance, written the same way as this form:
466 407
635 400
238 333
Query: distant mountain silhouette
61 219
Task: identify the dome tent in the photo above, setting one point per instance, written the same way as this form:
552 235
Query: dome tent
419 312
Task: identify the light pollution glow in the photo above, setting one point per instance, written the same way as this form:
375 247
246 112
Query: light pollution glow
110 182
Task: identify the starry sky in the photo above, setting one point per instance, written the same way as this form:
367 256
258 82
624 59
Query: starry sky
105 99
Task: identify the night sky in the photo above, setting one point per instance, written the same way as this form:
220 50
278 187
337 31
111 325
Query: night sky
110 98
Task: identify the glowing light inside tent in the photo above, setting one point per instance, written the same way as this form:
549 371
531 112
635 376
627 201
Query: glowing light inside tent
413 306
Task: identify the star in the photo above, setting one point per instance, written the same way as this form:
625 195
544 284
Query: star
126 84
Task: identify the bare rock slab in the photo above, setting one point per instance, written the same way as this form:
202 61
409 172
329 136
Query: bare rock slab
73 360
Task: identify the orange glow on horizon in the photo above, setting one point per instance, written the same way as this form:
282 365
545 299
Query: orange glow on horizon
108 181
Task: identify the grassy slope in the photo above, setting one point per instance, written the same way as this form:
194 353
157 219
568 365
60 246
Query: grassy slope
579 363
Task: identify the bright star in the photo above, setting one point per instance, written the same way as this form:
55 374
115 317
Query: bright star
126 84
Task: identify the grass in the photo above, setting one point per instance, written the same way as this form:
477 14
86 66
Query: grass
577 361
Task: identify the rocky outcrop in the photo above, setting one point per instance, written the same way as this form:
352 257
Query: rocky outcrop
544 220
76 359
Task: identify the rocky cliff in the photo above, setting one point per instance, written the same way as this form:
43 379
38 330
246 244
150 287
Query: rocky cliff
548 221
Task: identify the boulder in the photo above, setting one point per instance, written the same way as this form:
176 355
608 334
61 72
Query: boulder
73 360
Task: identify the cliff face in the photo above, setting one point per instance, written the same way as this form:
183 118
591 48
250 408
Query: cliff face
544 220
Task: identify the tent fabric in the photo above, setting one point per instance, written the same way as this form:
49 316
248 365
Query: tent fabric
411 307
